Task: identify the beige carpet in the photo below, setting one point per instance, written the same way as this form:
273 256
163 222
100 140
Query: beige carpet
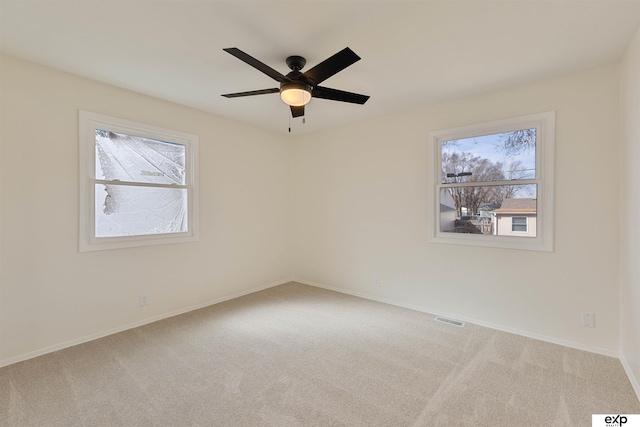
296 355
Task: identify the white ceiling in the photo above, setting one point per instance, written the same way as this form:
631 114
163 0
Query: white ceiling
414 53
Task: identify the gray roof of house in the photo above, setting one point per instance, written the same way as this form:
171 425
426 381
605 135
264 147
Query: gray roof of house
518 205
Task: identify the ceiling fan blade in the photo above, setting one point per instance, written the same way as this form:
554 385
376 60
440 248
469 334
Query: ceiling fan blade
331 66
260 66
338 95
297 111
251 92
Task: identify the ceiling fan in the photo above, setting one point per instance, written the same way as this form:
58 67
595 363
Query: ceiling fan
297 88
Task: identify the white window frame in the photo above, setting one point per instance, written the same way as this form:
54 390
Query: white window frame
545 141
88 123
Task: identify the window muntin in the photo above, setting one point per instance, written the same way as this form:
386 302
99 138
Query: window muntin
479 167
138 184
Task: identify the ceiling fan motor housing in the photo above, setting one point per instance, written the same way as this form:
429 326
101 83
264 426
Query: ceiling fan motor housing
295 85
295 62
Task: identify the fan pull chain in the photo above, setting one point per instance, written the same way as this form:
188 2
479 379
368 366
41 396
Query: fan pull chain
289 115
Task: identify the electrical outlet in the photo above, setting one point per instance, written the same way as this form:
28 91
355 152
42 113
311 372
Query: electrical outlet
144 300
376 282
589 320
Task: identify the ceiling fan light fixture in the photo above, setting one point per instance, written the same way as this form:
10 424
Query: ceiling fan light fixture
295 94
297 88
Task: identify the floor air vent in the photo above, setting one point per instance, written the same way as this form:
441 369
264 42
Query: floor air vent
450 321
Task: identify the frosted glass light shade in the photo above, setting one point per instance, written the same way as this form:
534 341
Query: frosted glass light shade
295 95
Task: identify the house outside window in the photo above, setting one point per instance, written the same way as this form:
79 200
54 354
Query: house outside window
138 184
492 184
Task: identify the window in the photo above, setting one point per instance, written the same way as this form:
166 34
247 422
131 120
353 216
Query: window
519 223
492 184
137 184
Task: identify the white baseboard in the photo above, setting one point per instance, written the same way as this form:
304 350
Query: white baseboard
632 378
553 340
81 340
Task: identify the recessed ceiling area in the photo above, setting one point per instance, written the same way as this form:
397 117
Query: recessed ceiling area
413 53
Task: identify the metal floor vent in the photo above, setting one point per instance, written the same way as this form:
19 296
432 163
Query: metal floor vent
450 321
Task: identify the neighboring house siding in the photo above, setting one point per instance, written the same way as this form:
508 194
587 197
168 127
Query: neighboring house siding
503 217
447 212
504 225
447 218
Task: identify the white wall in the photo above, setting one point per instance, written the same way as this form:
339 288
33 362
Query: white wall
50 293
630 210
360 212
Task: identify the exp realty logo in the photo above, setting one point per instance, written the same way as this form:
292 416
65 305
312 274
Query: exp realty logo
619 420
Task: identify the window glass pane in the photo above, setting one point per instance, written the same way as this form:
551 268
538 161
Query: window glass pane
504 156
519 223
124 210
137 159
489 209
